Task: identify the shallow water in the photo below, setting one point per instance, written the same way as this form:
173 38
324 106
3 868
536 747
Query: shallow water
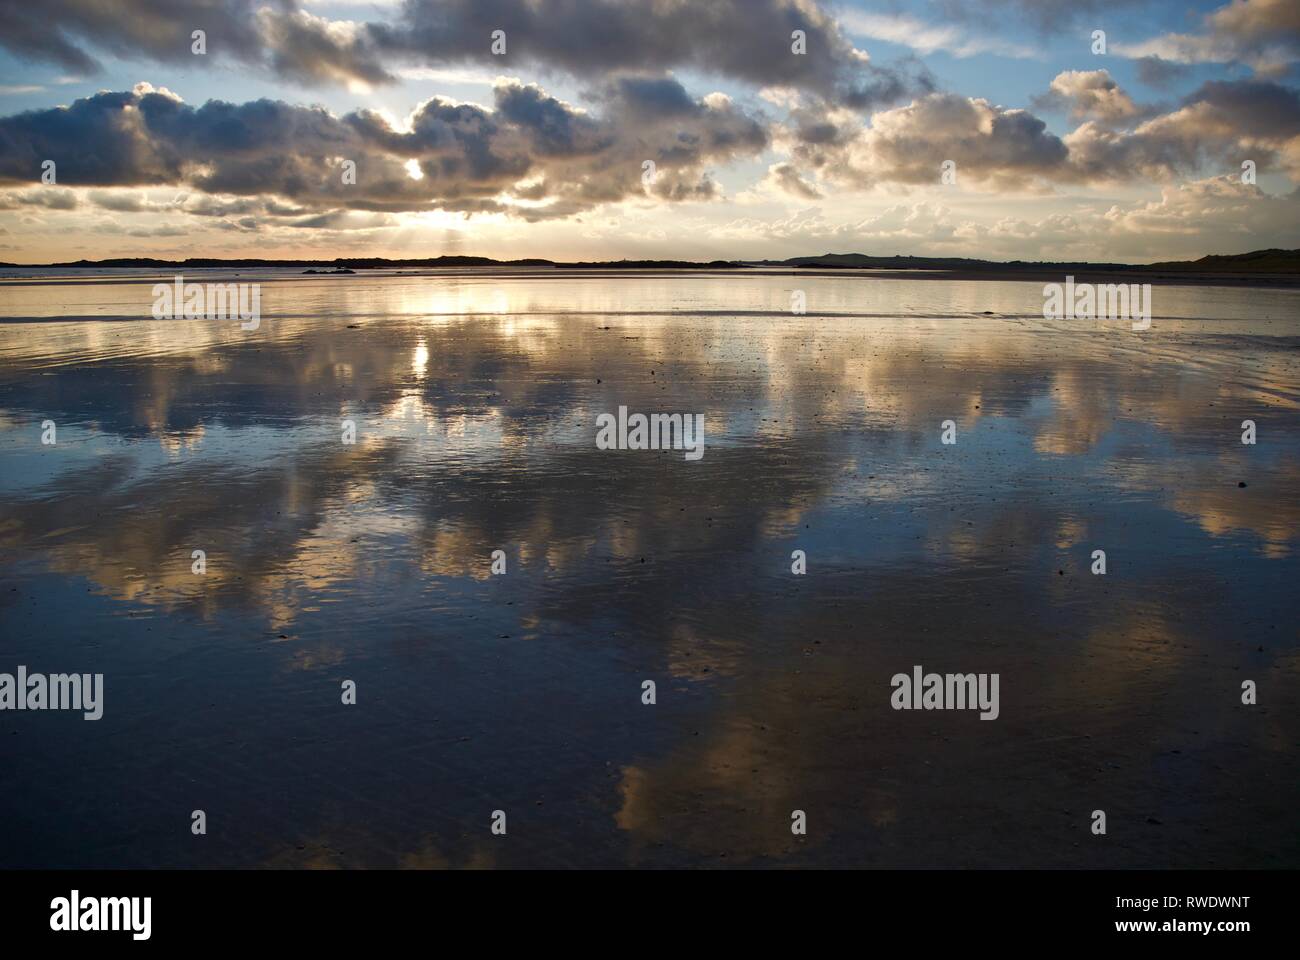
475 396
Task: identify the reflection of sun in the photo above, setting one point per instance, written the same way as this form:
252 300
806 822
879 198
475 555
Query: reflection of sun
176 442
408 407
420 360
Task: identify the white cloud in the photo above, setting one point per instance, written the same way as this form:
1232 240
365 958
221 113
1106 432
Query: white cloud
927 38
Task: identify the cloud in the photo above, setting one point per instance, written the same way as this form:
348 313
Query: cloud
909 144
1214 129
1219 214
786 178
1221 124
1045 16
1262 33
1158 73
531 155
926 38
60 31
51 198
311 49
745 40
123 202
535 157
344 220
1089 95
481 78
271 34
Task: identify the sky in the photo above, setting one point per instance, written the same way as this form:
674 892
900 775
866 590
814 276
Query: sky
685 129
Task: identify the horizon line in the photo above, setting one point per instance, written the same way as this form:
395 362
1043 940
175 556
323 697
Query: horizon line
1277 260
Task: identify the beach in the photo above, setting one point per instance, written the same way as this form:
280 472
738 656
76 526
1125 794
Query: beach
474 398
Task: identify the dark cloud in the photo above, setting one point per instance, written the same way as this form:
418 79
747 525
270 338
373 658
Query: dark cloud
1158 73
531 155
342 220
273 34
1251 108
746 40
313 50
785 176
1045 16
654 97
94 142
61 30
1217 127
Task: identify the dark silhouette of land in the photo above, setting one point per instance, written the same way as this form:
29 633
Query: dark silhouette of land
1258 268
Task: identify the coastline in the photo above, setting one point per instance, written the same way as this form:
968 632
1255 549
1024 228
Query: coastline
62 274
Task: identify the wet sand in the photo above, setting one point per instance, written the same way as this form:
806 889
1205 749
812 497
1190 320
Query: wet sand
475 398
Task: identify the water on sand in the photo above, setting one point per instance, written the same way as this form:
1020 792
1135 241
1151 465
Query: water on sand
475 397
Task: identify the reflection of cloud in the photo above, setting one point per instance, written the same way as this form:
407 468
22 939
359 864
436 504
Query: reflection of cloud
506 403
328 852
1263 508
1081 415
267 535
1070 531
823 433
729 774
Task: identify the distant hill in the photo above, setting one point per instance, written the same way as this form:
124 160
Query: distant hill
652 264
858 261
1259 261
